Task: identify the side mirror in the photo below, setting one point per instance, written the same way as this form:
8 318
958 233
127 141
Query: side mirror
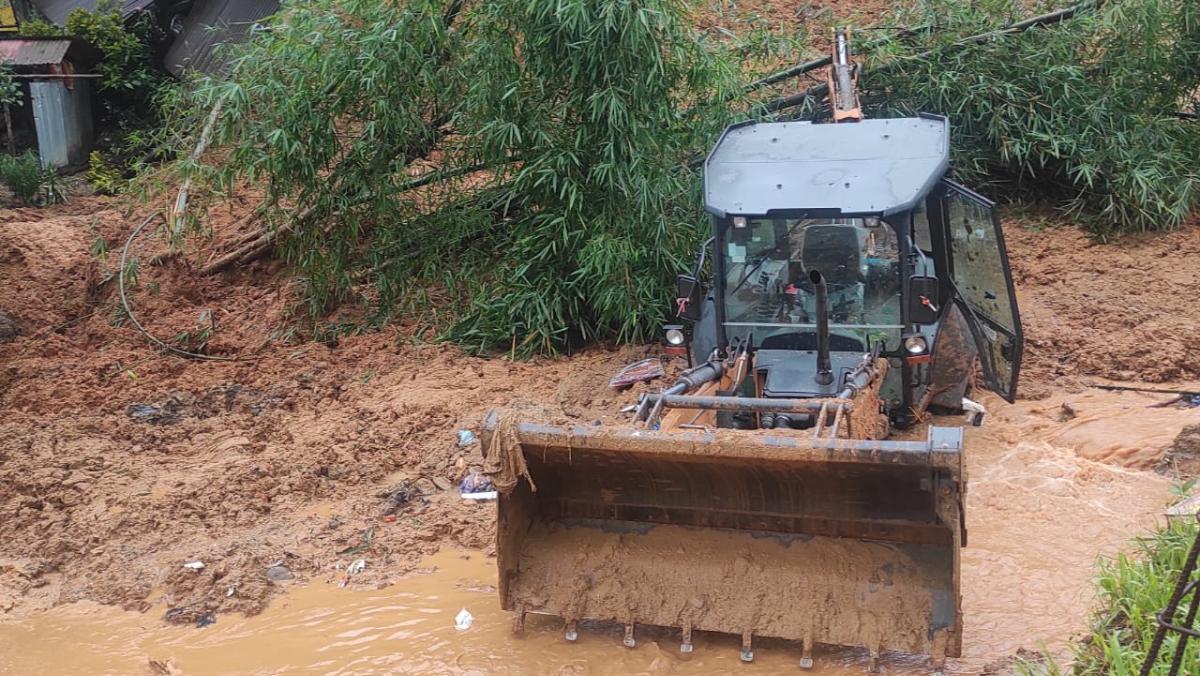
922 300
689 297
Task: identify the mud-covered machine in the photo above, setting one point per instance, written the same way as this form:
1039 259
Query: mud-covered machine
848 287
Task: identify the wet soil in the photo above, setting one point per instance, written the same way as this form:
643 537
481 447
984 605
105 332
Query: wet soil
118 464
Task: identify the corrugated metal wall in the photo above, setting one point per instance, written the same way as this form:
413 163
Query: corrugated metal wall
63 117
212 23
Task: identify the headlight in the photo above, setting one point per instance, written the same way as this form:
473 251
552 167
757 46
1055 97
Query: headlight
916 344
675 337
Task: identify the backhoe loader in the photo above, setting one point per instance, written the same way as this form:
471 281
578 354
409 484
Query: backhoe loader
848 287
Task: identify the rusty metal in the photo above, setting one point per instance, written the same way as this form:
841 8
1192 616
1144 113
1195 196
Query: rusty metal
1166 618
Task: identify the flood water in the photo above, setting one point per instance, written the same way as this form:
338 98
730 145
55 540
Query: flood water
1038 514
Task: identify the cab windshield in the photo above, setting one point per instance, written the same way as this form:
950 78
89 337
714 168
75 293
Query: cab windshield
767 287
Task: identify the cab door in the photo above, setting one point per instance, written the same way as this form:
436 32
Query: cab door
983 284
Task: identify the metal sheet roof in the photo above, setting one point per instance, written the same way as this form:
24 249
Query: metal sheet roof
212 23
58 10
33 52
873 166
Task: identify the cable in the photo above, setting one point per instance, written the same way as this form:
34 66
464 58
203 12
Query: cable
129 311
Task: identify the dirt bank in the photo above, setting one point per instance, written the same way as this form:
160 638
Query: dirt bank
119 464
1122 311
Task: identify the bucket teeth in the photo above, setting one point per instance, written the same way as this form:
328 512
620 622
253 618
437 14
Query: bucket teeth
571 632
747 650
629 641
685 645
873 662
806 659
518 620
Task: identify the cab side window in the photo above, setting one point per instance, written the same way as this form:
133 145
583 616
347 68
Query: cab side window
979 267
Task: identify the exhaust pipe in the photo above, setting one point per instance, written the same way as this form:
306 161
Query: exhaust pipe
824 368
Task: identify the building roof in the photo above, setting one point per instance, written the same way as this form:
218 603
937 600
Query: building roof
58 10
211 23
21 52
872 166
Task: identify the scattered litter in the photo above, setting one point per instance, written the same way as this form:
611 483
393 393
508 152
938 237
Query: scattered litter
334 523
279 573
476 486
1187 509
390 518
463 620
637 372
205 620
974 411
465 438
352 570
231 591
194 565
397 496
364 543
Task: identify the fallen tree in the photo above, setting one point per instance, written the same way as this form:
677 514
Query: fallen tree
536 160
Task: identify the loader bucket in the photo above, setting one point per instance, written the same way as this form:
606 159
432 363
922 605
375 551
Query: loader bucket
750 533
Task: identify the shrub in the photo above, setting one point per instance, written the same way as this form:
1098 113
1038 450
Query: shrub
23 176
130 79
1082 112
104 178
584 114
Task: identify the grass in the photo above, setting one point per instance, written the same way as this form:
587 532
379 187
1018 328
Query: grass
1132 588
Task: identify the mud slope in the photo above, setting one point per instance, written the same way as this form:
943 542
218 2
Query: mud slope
1124 311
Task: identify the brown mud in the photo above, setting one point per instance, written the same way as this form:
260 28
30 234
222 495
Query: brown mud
119 464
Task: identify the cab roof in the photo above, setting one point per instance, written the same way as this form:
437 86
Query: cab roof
868 167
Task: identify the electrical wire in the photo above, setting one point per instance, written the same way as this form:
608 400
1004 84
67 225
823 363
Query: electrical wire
129 311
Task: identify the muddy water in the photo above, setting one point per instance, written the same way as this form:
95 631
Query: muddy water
1040 509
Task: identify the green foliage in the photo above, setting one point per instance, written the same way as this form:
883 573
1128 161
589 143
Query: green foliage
196 339
600 208
105 178
129 79
1082 112
528 160
39 28
99 246
10 89
1132 589
581 113
27 181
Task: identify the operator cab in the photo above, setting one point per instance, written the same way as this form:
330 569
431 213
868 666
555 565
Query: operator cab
860 220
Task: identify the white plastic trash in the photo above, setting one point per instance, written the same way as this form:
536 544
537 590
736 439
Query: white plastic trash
194 565
486 495
463 620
